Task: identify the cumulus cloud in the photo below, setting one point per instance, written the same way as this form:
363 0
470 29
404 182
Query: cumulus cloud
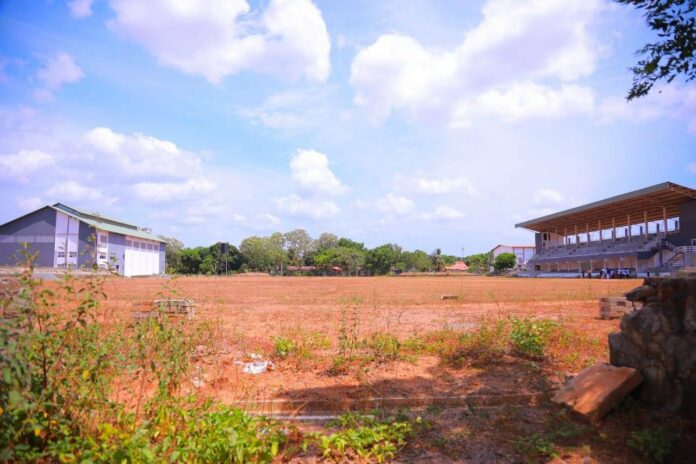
160 192
140 155
671 101
30 203
18 165
217 38
445 185
72 190
80 8
395 204
494 70
442 213
308 208
310 170
57 71
548 196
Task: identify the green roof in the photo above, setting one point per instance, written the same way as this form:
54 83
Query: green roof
104 223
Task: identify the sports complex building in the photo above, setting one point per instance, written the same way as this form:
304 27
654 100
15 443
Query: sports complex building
66 237
651 230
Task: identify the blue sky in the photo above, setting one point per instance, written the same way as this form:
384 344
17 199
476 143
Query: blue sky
429 124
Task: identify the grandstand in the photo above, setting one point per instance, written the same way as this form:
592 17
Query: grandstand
651 231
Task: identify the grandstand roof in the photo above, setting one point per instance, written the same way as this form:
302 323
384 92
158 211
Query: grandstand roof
634 204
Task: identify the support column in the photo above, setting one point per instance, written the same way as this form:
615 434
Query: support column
645 220
664 221
613 230
565 237
628 220
577 237
587 233
599 225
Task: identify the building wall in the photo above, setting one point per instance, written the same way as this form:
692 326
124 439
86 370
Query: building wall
86 246
687 224
162 258
117 252
38 229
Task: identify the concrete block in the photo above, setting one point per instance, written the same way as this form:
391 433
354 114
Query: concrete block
597 389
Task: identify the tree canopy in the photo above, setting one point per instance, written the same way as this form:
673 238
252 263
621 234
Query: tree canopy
505 261
673 54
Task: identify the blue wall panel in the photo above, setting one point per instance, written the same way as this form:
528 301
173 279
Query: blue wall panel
38 229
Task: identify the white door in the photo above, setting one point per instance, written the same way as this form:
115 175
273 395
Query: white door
102 249
128 269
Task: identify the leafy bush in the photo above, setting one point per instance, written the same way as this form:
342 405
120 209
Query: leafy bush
653 444
384 347
284 347
368 437
530 337
488 343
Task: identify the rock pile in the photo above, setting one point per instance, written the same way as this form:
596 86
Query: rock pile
660 341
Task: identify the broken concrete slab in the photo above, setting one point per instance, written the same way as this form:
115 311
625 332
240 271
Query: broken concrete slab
598 389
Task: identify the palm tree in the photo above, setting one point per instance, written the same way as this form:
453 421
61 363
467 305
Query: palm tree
436 259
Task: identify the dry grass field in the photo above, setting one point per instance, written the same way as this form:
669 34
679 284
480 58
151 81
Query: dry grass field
470 377
334 341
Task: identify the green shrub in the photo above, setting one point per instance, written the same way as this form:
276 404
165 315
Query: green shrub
530 337
369 438
284 347
653 444
487 344
384 347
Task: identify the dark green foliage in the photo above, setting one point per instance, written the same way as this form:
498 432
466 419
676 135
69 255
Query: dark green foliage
505 261
530 337
673 54
653 444
478 262
380 260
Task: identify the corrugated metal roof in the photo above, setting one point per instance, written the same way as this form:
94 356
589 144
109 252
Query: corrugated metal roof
648 200
114 226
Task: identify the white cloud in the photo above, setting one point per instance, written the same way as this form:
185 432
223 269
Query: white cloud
442 213
72 190
528 100
310 208
19 165
548 196
445 185
140 155
80 8
164 192
310 170
58 71
671 101
493 70
395 204
30 203
217 38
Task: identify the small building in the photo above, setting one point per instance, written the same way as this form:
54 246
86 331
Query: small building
66 237
523 253
459 266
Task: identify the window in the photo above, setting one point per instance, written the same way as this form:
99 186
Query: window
102 256
72 254
129 243
103 238
61 254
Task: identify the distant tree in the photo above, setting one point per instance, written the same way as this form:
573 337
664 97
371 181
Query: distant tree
381 259
325 241
190 261
208 265
298 244
173 254
275 251
255 253
233 258
478 262
436 260
348 243
674 53
505 261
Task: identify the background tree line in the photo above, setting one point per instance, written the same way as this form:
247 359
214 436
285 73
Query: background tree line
281 253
